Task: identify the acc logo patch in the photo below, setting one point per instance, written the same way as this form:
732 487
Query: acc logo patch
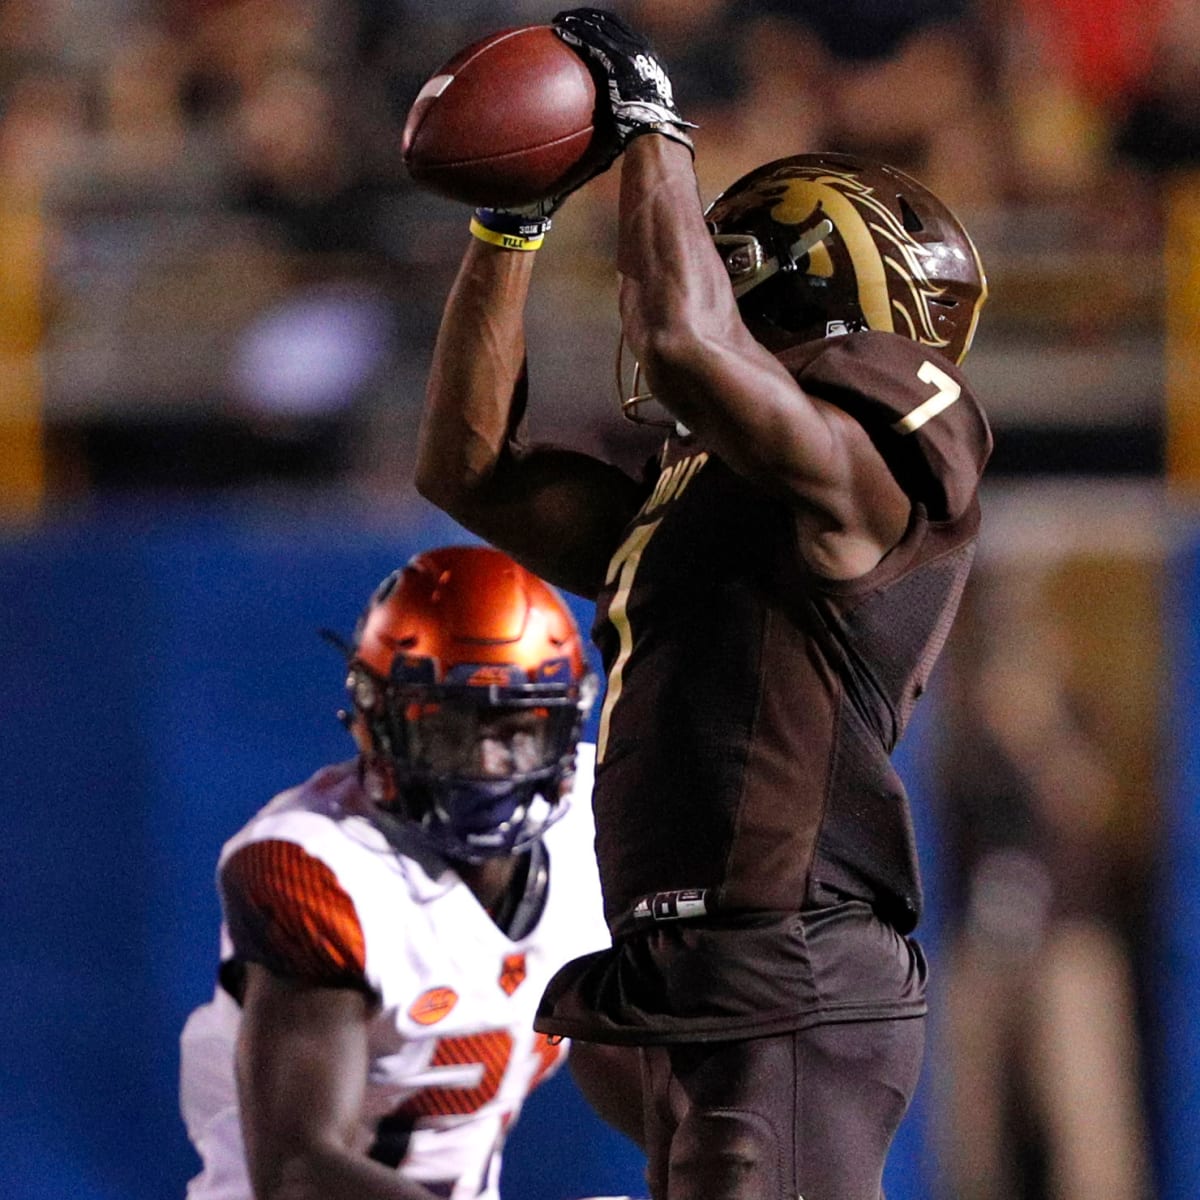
512 973
431 1006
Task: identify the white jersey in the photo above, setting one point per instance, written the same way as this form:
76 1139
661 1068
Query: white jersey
342 893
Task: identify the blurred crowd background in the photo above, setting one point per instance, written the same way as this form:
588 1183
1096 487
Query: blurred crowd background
216 280
210 241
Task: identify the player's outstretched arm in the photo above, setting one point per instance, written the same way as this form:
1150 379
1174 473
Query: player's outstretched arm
558 512
302 1062
680 317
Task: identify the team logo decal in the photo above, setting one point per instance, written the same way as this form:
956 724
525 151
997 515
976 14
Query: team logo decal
866 224
431 1006
512 973
678 905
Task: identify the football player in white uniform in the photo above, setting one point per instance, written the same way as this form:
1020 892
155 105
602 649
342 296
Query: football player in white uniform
391 923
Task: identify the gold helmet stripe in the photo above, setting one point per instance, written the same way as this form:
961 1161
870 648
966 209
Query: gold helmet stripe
983 295
803 198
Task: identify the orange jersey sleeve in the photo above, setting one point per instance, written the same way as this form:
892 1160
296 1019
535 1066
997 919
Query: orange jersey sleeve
286 910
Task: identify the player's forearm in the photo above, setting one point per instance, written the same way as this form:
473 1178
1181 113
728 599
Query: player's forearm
472 398
680 316
672 283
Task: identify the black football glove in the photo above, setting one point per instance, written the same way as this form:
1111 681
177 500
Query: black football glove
639 90
531 222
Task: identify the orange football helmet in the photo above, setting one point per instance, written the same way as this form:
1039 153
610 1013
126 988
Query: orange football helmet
469 689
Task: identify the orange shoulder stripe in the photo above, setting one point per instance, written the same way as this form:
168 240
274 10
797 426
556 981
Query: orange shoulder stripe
287 910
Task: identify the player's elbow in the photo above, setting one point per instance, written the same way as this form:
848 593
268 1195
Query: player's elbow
670 327
435 485
673 350
456 493
682 363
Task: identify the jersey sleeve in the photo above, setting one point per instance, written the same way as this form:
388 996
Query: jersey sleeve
286 910
917 409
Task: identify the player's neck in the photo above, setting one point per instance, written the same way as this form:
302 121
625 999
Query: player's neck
491 880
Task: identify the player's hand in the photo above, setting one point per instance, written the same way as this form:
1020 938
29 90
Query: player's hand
639 90
528 224
534 219
544 209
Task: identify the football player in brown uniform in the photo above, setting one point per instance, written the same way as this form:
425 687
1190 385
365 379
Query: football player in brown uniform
770 601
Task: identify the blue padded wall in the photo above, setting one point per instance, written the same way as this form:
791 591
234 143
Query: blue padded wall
1174 987
163 678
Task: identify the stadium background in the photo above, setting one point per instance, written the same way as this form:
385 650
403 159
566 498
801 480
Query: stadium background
217 294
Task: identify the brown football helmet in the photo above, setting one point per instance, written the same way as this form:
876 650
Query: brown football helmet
822 244
460 649
818 245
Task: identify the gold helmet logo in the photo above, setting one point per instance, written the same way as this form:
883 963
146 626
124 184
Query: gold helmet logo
818 245
865 225
890 255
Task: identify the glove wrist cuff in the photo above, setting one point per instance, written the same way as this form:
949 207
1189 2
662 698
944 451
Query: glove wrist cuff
509 230
667 130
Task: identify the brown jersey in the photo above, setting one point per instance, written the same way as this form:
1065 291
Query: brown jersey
755 844
752 706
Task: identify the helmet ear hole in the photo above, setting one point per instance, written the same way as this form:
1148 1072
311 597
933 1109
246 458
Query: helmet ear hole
908 215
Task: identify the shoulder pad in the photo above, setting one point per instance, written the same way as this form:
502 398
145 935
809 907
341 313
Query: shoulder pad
916 407
286 910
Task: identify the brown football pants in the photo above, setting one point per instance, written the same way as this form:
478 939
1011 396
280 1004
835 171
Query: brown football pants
806 1114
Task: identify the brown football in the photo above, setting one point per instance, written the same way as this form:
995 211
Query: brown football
509 120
